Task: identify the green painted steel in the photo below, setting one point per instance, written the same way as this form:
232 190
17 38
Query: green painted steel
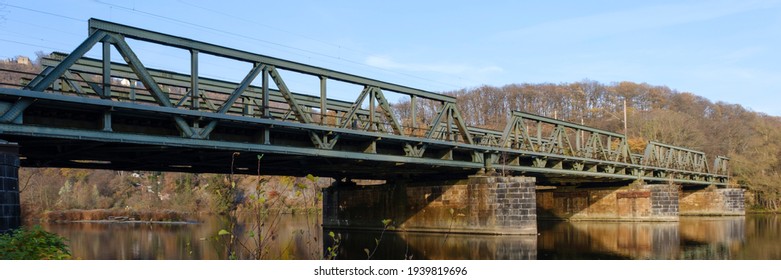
96 25
78 101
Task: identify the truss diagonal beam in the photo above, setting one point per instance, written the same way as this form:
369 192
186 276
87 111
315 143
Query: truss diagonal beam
386 109
302 116
16 110
149 82
232 99
437 120
356 106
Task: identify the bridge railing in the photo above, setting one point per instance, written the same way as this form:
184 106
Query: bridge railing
530 132
668 156
540 134
80 80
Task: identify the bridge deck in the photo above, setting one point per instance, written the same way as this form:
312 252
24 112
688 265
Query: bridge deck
92 113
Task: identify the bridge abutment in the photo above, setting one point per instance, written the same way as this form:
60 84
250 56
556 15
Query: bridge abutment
713 201
479 204
10 210
631 203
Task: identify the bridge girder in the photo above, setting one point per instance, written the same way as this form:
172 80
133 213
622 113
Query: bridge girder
185 120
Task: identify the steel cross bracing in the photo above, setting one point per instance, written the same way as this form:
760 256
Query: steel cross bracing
86 112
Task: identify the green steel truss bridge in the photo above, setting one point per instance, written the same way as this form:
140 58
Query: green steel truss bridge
93 113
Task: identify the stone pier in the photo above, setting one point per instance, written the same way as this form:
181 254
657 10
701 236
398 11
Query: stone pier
479 204
713 201
631 203
10 211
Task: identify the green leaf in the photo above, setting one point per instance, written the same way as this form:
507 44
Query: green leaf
331 234
368 253
376 242
251 233
223 232
260 156
386 222
311 178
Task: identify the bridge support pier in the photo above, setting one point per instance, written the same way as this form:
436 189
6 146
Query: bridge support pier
631 203
479 204
713 201
10 210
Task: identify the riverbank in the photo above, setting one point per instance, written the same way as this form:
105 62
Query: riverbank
145 216
118 215
762 212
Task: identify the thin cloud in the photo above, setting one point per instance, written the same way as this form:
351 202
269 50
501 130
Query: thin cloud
386 62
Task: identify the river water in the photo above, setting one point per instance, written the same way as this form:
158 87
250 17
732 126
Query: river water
300 237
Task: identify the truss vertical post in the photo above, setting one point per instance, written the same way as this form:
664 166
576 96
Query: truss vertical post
413 113
106 94
107 121
266 109
450 125
194 91
323 100
371 108
132 94
578 136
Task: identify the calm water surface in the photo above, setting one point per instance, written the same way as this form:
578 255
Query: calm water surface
299 237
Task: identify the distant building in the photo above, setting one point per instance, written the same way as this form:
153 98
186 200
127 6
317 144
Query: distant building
23 60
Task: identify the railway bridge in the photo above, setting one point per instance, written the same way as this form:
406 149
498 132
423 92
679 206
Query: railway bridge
440 173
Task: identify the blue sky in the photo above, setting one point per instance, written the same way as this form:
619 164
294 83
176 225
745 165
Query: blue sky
723 50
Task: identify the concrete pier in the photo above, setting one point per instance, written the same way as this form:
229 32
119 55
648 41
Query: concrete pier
631 203
10 211
713 202
479 204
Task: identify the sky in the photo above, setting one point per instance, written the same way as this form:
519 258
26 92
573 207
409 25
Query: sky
726 51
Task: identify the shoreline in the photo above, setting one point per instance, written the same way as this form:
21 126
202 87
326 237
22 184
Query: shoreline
143 216
132 222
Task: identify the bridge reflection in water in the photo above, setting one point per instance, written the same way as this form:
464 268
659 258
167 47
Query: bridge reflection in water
691 238
749 237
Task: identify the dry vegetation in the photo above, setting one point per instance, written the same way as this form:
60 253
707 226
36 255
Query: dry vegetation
53 193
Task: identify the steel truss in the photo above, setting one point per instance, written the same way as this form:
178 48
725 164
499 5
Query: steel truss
131 103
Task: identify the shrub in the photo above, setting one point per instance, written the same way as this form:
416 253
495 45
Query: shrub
33 244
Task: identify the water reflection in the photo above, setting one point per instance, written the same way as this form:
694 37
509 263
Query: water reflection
608 240
436 246
136 241
712 238
299 237
294 237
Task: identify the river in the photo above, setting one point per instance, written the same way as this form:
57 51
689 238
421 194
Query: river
299 237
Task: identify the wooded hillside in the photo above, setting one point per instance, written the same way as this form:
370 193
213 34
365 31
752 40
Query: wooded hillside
750 139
